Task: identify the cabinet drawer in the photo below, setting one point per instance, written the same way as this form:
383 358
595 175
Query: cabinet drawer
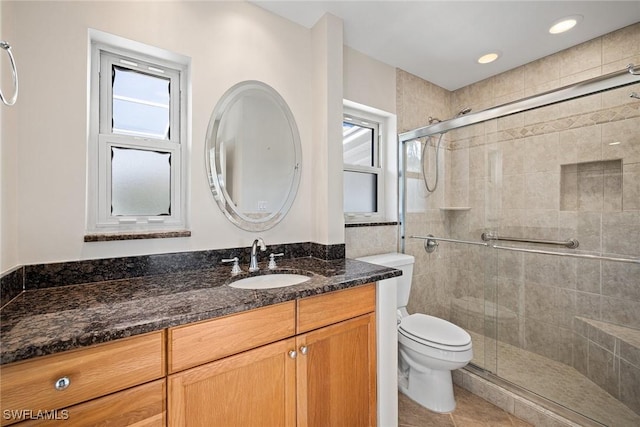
92 372
321 310
141 406
195 344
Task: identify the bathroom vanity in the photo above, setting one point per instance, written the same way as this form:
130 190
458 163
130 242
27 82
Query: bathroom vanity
187 349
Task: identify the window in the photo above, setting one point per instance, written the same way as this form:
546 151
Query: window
363 171
138 139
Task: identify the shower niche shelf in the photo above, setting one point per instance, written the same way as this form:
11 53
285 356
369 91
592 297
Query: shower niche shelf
592 186
455 208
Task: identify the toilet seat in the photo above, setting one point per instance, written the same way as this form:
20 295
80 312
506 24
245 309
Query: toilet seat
434 332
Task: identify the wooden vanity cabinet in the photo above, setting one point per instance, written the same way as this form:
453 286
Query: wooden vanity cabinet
323 373
59 384
309 362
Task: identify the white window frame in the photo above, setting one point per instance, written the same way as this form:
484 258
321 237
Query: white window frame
106 50
388 156
356 118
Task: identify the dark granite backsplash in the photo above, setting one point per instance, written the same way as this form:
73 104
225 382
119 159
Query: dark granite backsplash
327 252
39 276
11 284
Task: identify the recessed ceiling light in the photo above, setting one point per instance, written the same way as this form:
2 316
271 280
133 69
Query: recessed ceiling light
565 24
489 57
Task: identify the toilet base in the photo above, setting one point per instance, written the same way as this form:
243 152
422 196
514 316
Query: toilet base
431 389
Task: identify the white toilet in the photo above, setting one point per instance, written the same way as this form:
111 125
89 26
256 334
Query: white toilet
429 347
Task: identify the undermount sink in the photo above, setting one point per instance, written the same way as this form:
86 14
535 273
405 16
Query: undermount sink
269 281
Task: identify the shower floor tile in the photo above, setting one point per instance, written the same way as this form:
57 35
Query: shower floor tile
471 411
552 380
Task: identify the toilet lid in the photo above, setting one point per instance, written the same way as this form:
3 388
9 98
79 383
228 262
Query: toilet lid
435 331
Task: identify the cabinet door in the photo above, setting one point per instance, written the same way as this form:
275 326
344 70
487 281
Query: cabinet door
337 375
254 388
141 406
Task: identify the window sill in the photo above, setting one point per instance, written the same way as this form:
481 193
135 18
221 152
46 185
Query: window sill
108 237
370 224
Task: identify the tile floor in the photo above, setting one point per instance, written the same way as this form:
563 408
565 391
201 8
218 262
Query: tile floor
471 411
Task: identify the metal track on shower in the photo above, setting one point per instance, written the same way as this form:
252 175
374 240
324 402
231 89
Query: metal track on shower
628 76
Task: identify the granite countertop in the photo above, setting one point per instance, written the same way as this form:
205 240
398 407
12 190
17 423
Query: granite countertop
51 320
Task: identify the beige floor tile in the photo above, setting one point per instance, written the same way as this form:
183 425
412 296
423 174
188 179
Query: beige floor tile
471 411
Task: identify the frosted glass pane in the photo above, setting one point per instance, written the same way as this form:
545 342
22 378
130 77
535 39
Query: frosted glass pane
357 145
140 182
140 104
416 196
360 192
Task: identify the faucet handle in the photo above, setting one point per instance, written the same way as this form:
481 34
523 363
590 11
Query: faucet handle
272 260
235 269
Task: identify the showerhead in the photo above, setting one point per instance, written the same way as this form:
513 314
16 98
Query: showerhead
464 111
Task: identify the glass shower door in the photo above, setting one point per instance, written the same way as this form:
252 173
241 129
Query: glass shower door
568 328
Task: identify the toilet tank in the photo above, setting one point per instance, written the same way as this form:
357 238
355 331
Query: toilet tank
401 262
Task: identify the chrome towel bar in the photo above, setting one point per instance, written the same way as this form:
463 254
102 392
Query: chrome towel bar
571 243
430 242
571 255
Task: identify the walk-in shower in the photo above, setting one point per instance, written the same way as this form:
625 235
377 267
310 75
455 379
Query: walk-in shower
533 241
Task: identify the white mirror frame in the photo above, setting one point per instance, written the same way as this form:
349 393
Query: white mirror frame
214 170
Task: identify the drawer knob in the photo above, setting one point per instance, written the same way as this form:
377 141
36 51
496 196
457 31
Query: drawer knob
293 354
303 349
62 383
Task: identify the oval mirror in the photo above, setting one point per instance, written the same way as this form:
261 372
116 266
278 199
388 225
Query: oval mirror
253 156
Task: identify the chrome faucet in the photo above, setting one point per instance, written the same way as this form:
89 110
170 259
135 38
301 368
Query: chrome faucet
253 265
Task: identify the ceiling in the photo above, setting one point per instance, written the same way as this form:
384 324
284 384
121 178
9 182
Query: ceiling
440 41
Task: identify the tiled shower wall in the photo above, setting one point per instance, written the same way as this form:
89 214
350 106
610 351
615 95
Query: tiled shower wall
371 240
417 100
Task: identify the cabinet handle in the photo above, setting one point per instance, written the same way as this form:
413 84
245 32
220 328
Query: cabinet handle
293 354
62 383
303 349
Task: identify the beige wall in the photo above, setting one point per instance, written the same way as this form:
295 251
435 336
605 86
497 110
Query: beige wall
8 163
327 136
368 81
44 137
373 84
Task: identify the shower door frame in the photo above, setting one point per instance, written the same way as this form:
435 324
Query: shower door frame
614 80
